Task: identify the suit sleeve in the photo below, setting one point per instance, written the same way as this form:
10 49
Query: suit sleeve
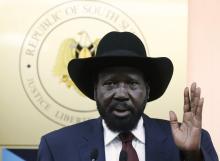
208 150
44 152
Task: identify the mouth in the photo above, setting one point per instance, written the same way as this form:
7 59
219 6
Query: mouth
121 112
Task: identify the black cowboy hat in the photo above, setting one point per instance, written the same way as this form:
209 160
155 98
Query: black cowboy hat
121 49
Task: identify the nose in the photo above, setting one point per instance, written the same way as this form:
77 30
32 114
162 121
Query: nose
121 92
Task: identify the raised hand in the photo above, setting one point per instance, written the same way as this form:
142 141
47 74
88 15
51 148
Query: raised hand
187 135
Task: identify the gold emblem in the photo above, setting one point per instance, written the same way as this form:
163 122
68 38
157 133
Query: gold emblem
72 49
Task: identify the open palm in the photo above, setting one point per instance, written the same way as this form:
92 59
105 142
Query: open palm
187 135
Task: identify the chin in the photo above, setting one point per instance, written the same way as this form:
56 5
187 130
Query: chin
121 124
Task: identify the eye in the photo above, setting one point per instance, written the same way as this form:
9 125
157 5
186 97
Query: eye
109 83
133 84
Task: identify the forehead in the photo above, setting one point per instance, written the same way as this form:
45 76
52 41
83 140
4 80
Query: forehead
121 72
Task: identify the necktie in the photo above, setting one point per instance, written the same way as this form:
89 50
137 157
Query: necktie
126 139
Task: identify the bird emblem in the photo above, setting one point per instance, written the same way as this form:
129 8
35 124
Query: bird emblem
72 49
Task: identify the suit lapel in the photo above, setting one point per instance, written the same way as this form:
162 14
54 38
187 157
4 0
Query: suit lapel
154 140
93 139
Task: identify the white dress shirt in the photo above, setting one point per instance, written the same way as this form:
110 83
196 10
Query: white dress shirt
113 143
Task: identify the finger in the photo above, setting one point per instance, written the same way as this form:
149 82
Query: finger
198 92
192 96
199 109
188 118
196 100
193 90
173 121
186 100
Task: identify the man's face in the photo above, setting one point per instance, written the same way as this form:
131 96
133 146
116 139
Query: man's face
121 95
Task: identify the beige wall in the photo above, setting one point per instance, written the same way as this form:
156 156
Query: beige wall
203 60
164 25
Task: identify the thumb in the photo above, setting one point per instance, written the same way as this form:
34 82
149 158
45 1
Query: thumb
173 121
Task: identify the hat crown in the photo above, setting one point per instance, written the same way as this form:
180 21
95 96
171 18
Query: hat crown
121 44
121 49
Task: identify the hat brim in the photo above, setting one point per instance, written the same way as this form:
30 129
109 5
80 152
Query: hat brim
157 72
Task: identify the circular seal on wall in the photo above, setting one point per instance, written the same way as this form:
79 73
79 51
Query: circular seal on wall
71 30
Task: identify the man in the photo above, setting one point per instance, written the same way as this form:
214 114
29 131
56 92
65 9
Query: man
122 79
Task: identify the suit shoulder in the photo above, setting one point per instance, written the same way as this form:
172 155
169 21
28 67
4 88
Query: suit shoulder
72 130
159 124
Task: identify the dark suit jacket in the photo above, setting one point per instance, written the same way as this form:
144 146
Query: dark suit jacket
76 142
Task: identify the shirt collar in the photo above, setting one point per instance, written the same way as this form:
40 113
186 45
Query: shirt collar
138 132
